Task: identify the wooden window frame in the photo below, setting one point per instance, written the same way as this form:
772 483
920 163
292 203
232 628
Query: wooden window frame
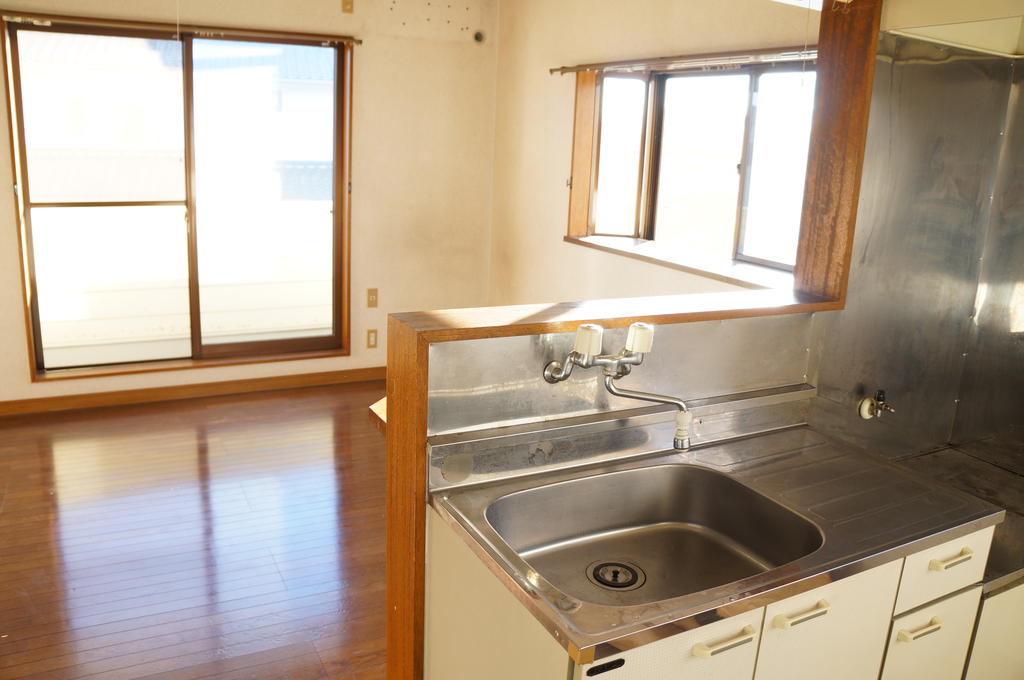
336 344
586 147
643 171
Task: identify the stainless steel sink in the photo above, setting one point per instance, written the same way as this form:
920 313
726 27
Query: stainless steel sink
710 533
649 534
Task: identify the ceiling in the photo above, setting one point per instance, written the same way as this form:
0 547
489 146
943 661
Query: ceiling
998 36
1004 36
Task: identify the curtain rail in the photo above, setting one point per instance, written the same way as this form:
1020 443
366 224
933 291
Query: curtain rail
57 20
699 61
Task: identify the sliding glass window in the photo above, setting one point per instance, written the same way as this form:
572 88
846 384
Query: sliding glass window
182 197
708 163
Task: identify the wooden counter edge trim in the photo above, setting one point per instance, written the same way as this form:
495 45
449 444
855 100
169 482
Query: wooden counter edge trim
171 392
409 339
406 499
494 322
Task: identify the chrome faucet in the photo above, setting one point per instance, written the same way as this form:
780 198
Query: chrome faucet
586 353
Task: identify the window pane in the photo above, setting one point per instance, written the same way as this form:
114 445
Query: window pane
103 117
701 149
782 132
112 284
622 125
264 132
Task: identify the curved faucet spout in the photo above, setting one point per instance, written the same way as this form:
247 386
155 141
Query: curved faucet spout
684 418
609 382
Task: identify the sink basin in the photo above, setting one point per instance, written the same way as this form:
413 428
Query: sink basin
649 534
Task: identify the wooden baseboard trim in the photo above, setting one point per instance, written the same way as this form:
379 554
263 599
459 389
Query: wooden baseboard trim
151 394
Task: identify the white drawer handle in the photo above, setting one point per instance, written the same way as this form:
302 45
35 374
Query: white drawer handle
707 651
819 609
933 626
943 565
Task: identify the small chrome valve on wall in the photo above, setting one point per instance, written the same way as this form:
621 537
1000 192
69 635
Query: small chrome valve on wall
874 407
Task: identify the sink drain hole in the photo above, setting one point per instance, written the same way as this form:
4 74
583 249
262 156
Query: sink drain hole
616 575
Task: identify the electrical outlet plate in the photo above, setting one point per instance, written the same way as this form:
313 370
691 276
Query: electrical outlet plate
371 338
371 297
348 6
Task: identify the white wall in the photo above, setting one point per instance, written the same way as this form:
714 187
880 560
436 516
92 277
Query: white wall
422 164
530 262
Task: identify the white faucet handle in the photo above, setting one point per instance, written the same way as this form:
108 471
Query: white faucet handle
640 337
588 339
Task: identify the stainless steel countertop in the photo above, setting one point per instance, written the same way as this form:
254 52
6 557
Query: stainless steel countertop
993 470
869 510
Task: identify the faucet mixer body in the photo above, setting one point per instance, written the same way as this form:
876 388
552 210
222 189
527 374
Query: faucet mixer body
586 354
614 365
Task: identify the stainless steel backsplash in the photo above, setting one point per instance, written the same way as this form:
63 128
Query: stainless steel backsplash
943 184
992 394
497 381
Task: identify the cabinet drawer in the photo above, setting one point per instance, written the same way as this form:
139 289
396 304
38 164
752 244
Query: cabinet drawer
931 642
724 650
837 631
946 568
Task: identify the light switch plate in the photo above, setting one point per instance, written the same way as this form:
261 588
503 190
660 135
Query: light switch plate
348 6
371 338
371 297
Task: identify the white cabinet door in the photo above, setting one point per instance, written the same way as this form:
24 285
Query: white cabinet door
931 642
474 627
939 571
724 650
837 631
998 652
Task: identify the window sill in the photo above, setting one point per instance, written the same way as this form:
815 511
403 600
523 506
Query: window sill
178 365
745 275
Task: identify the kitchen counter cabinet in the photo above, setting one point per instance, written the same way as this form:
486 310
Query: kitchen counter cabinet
723 650
827 615
836 631
998 652
931 642
477 628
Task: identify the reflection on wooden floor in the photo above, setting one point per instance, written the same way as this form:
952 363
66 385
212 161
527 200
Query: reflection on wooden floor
229 537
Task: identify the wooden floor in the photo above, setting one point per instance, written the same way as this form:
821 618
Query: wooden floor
227 537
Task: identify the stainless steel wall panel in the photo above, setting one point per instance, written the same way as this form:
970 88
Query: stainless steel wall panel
992 395
498 381
936 121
